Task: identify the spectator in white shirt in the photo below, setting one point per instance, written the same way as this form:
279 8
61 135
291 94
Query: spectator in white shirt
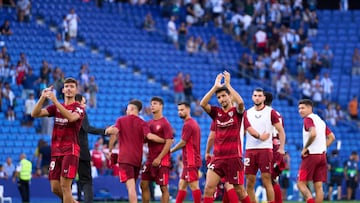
327 86
72 19
172 31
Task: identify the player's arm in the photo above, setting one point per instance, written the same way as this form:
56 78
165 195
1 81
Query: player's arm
235 95
38 111
209 144
164 151
257 135
330 138
204 103
91 129
178 146
155 138
112 131
312 136
70 116
281 132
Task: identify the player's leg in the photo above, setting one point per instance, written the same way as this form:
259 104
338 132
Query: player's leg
165 195
196 192
65 184
319 193
145 183
212 179
145 191
131 188
250 186
330 191
303 188
69 168
181 195
339 192
56 189
266 179
54 176
162 179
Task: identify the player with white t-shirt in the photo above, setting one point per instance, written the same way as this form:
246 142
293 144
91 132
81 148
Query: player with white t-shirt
316 138
259 152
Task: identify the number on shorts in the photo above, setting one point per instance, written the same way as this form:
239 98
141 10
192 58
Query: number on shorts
52 165
211 166
247 161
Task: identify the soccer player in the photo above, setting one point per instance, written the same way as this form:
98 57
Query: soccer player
190 145
316 138
227 159
278 160
259 152
65 147
131 132
84 170
157 166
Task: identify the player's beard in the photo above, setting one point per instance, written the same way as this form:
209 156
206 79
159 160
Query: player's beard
182 116
258 104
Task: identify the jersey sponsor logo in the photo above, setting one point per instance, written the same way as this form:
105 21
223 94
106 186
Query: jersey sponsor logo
258 116
61 121
230 122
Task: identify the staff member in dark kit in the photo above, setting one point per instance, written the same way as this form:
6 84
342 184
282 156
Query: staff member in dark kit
84 171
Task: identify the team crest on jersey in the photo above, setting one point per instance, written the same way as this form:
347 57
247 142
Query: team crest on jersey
158 127
219 114
231 113
79 110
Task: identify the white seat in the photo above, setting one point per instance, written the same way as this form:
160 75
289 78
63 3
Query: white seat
2 198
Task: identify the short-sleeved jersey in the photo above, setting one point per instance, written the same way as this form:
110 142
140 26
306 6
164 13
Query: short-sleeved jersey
65 139
132 132
161 128
262 121
191 151
322 131
227 143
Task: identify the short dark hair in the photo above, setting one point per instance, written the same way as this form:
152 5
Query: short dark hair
158 99
268 98
354 153
70 80
306 102
220 89
78 97
184 103
136 103
259 89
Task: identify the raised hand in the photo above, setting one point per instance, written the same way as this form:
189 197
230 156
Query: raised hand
218 79
226 77
45 91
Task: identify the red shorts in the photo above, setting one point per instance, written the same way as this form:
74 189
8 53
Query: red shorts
256 159
313 168
127 171
278 163
65 166
231 169
190 174
159 174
